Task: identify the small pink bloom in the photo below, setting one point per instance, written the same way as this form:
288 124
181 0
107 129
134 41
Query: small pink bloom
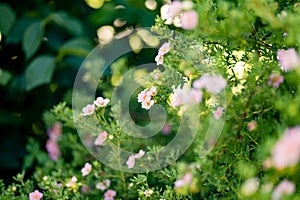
199 83
86 169
286 152
285 187
53 149
88 110
159 59
252 125
218 113
110 195
153 91
166 130
284 34
157 75
101 138
147 104
140 154
101 102
185 180
174 9
193 96
144 96
275 80
36 195
288 59
165 48
55 131
71 182
131 161
189 20
103 185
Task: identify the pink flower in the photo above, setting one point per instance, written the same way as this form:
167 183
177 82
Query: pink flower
193 96
185 180
174 9
88 110
286 151
199 84
103 185
144 96
140 154
147 104
166 130
189 20
252 125
288 59
101 138
214 84
153 91
275 80
55 131
86 169
218 113
285 187
165 48
159 59
53 149
101 102
109 195
36 195
71 182
131 161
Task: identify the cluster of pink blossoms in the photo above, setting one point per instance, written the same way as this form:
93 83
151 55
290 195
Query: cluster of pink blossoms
145 97
109 194
131 160
181 15
164 49
90 108
52 147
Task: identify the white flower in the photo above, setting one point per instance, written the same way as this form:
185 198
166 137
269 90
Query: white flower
159 59
144 96
152 91
101 102
88 109
214 84
148 193
250 187
165 48
147 104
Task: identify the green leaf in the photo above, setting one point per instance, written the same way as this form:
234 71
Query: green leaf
68 23
5 77
17 31
7 18
76 47
39 71
32 38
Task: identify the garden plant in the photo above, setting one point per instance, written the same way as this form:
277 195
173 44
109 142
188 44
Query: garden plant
203 103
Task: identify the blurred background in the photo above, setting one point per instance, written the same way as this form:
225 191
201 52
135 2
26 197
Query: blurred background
42 45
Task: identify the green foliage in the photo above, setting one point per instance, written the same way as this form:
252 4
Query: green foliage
237 39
